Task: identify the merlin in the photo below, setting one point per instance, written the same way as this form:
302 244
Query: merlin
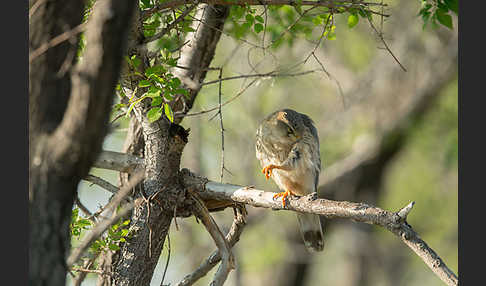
287 146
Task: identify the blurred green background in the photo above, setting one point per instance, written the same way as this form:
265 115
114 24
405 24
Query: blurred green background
375 89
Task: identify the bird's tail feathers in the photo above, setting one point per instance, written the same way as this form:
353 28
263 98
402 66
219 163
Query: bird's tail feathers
311 230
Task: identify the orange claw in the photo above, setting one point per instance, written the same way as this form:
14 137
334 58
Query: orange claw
268 170
284 196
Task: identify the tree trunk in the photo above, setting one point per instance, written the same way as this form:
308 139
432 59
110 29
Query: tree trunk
68 111
162 143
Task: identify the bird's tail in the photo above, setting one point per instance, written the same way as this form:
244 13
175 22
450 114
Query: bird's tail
311 230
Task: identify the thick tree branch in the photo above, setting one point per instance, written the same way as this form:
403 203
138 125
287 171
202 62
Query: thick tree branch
197 55
118 161
359 212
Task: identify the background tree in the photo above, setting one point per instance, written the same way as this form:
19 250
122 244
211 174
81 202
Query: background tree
171 70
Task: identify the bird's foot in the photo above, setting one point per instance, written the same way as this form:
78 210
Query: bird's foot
284 196
268 170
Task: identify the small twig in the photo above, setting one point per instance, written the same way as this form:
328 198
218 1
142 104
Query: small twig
57 40
97 271
175 218
331 78
170 26
84 209
226 102
403 213
167 261
263 75
380 35
221 124
35 6
241 90
101 182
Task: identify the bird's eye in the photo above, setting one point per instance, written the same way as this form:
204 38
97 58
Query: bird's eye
289 131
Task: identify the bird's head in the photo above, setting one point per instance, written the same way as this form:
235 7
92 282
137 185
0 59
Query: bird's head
282 127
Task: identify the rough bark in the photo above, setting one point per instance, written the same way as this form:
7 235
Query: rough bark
68 111
162 144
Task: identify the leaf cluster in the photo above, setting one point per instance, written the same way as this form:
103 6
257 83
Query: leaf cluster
116 234
438 11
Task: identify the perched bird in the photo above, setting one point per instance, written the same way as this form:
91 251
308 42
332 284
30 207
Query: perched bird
287 146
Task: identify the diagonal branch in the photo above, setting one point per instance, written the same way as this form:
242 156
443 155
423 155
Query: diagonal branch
232 237
103 225
227 264
101 182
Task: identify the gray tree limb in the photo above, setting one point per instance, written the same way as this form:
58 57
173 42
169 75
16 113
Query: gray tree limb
394 222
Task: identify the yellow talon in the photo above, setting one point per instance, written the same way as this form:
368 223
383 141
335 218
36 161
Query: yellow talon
268 170
284 196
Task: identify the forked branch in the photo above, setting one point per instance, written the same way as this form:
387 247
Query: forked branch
232 237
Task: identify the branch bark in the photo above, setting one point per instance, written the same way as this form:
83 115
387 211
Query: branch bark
232 237
224 249
359 212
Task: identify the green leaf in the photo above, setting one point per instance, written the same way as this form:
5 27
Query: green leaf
144 83
182 91
118 106
133 104
156 101
259 19
114 247
175 82
444 19
154 114
155 92
317 21
258 28
168 112
352 20
187 29
453 5
249 18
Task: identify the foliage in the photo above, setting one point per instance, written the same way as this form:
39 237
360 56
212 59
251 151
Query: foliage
78 224
160 85
434 11
116 234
